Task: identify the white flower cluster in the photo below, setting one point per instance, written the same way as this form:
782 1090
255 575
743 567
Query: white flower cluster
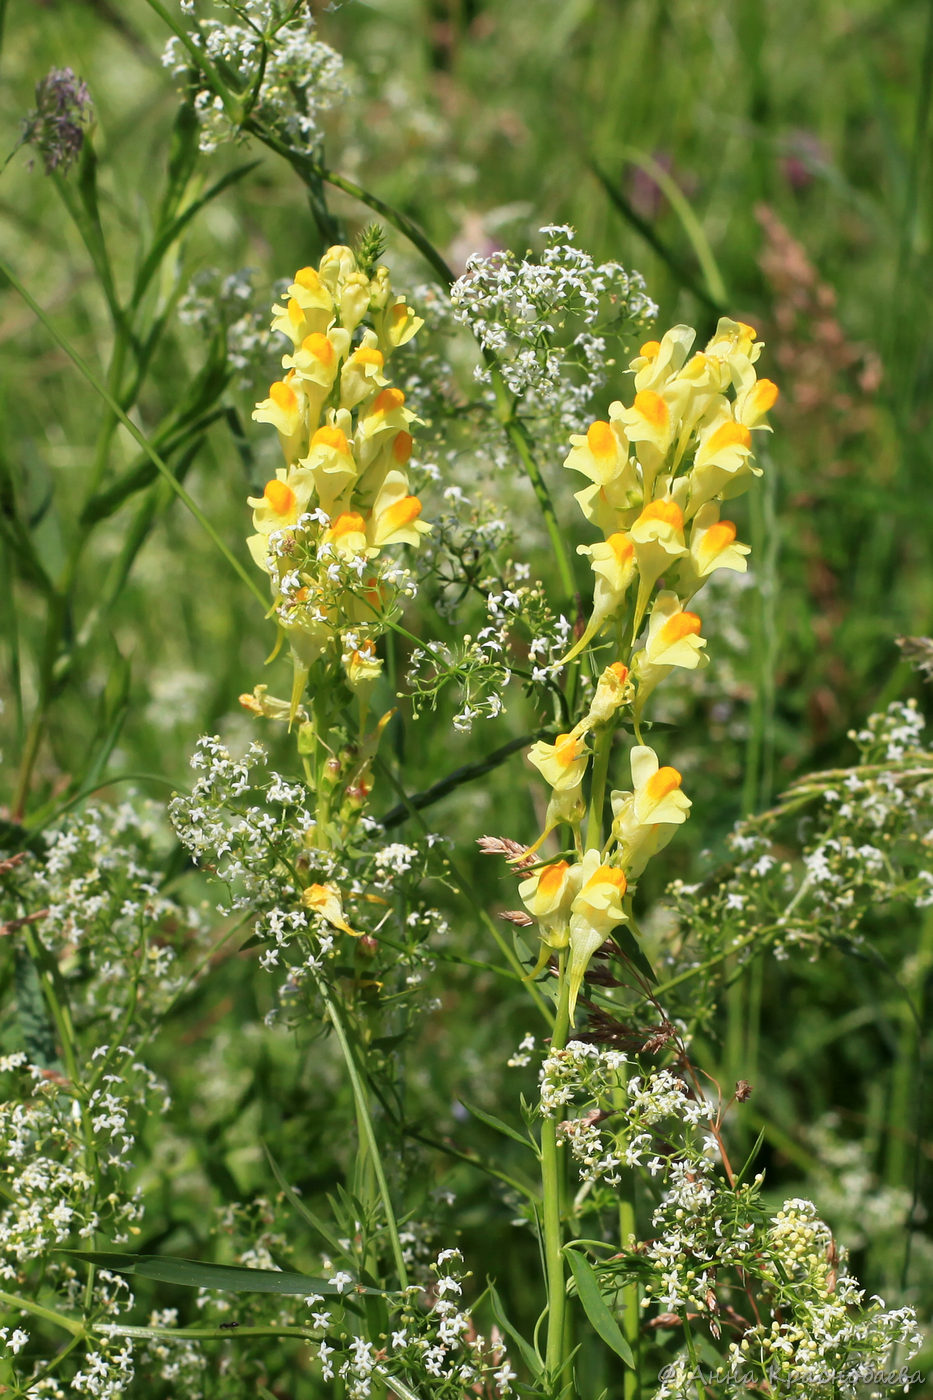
214 303
97 906
272 44
434 1344
518 309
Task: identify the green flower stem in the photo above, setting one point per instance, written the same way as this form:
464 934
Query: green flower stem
552 1174
601 757
518 436
70 1324
201 1334
631 1299
368 1136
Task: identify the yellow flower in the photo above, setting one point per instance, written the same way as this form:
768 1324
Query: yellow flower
346 535
353 300
561 764
645 820
596 910
325 901
286 409
673 634
330 462
395 514
547 895
385 417
658 538
602 454
736 345
613 563
309 308
753 401
657 794
317 359
722 463
651 426
673 640
283 500
395 323
658 360
613 690
336 266
712 546
362 373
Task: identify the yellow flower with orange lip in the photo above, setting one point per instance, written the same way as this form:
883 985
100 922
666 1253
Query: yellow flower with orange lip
561 764
673 640
754 400
283 500
395 324
395 517
596 910
346 535
286 409
325 901
296 321
657 794
713 545
361 374
722 464
601 454
310 297
673 634
658 360
330 461
737 345
658 539
651 426
317 359
385 417
644 821
547 895
613 563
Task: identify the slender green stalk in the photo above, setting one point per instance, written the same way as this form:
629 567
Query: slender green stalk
201 1334
552 1173
518 436
366 1129
594 821
70 1324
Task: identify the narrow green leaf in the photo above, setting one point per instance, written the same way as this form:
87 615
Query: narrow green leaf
680 271
497 1124
399 1388
528 1353
298 1204
630 947
191 1273
751 1156
596 1308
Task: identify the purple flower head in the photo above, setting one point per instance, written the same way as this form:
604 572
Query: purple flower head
56 126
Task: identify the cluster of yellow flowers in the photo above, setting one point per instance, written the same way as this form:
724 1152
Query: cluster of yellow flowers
657 473
343 494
